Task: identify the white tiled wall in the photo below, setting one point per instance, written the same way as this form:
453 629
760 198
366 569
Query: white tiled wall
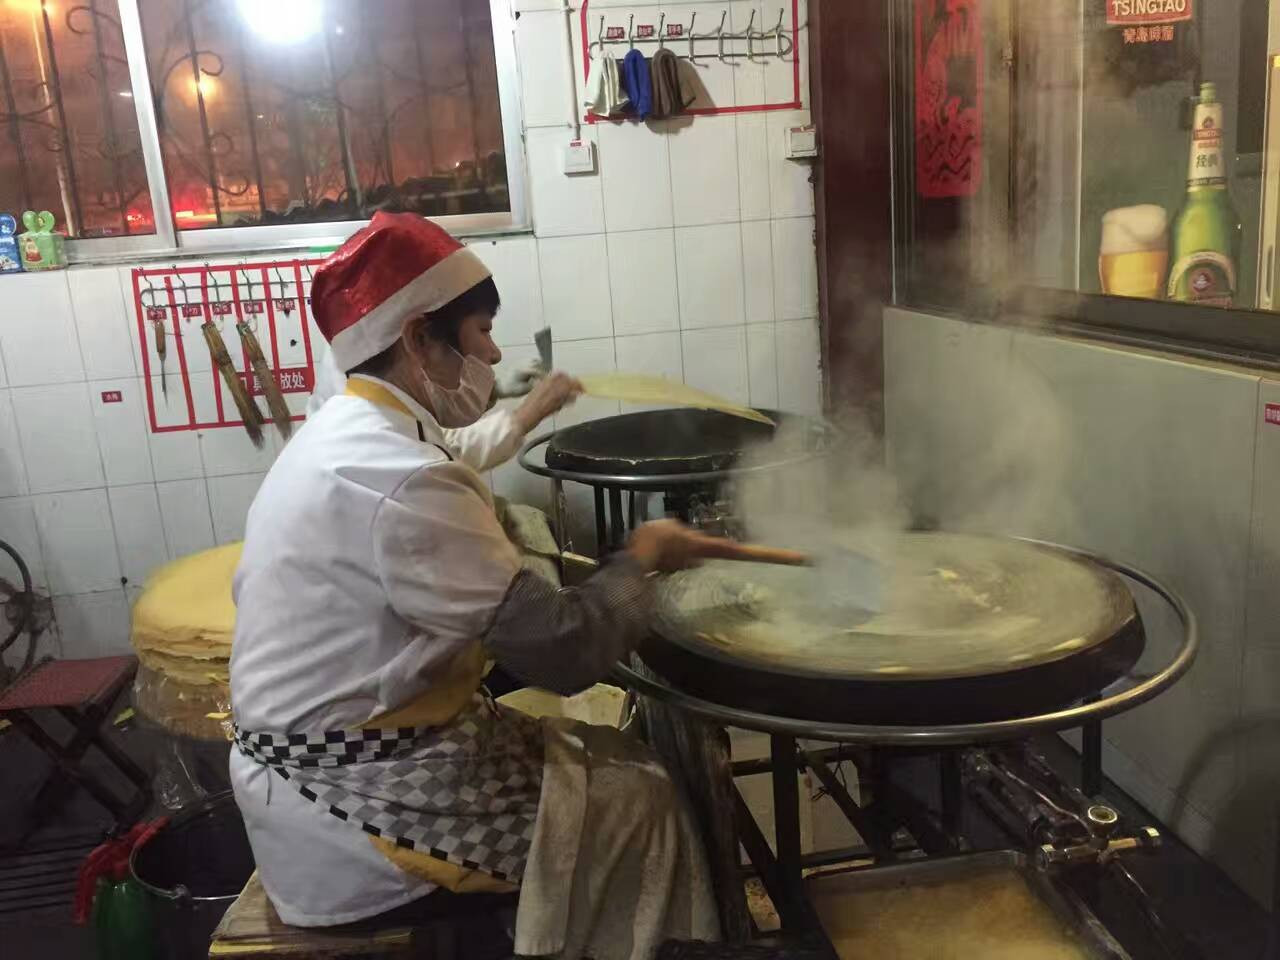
689 254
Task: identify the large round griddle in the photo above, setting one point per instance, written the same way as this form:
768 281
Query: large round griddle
660 442
973 629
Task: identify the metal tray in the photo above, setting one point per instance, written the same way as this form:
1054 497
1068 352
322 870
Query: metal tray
1091 936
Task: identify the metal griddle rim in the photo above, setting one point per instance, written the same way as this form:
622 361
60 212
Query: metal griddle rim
935 735
650 481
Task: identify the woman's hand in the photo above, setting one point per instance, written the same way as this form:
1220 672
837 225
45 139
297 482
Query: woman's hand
552 394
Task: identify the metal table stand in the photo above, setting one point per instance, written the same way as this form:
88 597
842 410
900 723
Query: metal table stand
882 811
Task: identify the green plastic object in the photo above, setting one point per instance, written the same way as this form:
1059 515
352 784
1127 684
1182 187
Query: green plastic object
122 921
41 248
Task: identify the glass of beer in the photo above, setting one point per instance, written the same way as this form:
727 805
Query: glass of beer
1134 257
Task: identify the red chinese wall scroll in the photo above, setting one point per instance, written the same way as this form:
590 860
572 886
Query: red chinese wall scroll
948 97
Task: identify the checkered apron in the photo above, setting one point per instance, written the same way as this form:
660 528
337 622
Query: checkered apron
466 793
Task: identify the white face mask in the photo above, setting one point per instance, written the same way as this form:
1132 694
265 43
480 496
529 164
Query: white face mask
465 403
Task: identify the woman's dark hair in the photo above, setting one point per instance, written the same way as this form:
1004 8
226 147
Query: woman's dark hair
443 324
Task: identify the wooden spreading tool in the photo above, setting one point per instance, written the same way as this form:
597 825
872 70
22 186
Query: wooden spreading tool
280 413
235 386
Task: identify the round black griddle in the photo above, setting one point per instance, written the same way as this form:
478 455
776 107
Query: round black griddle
662 442
973 629
685 454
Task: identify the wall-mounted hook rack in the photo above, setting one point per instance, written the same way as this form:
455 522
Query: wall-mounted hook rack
784 40
708 43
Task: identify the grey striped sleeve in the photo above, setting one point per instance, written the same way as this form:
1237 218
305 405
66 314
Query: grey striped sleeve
567 639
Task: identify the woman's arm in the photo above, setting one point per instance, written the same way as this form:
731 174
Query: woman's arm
449 569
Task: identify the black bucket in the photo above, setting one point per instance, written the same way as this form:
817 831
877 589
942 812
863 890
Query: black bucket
193 870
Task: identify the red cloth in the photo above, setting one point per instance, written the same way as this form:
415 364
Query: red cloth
111 860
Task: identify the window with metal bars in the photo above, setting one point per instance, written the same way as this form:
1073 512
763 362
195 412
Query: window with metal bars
152 125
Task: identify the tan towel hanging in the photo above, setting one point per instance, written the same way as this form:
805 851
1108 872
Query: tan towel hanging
670 97
657 391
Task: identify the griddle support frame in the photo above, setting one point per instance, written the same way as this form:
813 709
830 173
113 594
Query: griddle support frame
786 814
951 791
617 527
602 535
879 845
1091 755
792 910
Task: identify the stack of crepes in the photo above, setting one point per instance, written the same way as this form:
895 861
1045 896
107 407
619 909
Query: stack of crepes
182 628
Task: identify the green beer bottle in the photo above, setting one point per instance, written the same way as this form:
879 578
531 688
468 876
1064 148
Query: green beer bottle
1206 234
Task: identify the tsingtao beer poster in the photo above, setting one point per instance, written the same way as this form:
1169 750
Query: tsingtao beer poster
1143 68
948 97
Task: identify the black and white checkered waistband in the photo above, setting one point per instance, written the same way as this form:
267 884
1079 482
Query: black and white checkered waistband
331 748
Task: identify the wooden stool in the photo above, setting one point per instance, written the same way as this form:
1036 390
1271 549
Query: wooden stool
251 929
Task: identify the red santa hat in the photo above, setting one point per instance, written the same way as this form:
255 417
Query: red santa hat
399 266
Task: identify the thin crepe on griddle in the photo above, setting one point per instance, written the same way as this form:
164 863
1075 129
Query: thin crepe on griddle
658 391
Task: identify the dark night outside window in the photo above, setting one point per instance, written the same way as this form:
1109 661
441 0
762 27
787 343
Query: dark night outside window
307 111
68 130
267 112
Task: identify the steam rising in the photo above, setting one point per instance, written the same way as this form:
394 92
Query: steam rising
862 496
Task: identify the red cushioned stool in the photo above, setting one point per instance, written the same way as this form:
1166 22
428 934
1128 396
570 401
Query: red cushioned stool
82 691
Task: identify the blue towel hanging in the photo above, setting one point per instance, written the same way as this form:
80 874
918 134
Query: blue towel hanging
635 77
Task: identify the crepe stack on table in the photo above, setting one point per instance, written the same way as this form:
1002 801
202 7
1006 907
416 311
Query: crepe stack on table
183 624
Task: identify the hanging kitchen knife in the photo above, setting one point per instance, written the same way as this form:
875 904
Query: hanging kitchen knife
157 327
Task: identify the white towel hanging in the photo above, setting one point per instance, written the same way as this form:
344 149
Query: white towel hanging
604 94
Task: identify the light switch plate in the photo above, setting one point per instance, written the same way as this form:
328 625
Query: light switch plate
802 142
579 157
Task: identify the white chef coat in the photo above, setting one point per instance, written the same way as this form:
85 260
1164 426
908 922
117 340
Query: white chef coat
370 563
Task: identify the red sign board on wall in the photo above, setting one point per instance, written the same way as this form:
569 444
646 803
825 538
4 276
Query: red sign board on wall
948 97
183 387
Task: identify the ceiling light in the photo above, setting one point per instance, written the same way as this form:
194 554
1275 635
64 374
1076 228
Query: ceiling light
283 21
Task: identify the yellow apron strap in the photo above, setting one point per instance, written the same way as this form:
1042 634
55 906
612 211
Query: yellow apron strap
380 396
377 394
